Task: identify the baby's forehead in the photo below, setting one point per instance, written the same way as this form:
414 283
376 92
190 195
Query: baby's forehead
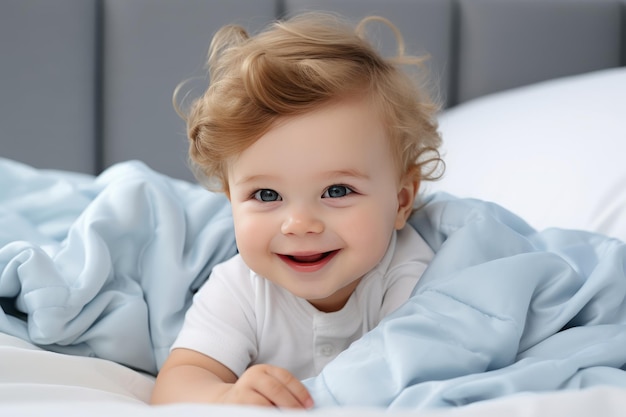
341 137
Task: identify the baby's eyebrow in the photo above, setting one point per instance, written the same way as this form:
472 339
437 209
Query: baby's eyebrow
252 178
347 173
328 175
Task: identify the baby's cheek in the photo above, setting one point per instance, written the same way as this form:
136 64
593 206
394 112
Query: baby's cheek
253 235
372 230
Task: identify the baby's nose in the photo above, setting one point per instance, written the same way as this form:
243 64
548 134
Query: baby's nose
301 222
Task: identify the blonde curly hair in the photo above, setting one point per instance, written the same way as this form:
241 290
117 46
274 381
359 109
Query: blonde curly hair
294 67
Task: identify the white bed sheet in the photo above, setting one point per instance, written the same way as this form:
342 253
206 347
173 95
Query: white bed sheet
29 374
35 382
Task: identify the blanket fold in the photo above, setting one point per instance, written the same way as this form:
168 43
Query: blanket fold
106 266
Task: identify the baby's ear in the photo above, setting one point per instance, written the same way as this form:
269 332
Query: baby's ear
407 192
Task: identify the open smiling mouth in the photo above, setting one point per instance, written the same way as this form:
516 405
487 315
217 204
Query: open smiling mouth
309 262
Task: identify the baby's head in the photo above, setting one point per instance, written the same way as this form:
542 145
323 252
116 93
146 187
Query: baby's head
298 66
319 143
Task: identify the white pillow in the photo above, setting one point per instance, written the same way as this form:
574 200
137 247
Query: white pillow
552 152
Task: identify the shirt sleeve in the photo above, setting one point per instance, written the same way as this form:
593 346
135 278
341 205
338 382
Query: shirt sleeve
221 322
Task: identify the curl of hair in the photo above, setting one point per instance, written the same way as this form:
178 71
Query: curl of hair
297 66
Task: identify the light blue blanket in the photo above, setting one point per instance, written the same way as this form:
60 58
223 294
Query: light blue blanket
106 266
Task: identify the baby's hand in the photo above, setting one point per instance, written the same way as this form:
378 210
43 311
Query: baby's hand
268 385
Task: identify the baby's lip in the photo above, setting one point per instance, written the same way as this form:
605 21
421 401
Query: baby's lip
307 257
308 261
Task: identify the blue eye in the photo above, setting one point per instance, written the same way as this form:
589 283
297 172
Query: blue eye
336 191
266 195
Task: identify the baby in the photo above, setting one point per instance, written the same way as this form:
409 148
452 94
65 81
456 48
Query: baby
320 144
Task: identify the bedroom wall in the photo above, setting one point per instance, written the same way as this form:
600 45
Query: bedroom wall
88 83
48 79
149 47
503 45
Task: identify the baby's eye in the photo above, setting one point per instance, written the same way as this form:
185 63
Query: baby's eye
267 195
336 191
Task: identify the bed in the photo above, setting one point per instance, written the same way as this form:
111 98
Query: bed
105 235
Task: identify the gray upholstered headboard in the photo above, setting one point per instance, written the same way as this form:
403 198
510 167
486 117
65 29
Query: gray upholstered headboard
88 83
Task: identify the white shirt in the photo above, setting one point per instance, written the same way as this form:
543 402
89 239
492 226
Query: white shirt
240 319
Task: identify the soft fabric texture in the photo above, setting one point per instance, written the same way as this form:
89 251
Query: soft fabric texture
551 152
106 267
239 318
35 383
29 374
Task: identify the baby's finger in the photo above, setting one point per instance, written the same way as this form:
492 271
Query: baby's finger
287 391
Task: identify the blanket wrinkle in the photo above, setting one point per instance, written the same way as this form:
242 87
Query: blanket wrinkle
107 265
114 277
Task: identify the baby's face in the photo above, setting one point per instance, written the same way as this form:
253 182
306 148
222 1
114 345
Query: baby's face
315 201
